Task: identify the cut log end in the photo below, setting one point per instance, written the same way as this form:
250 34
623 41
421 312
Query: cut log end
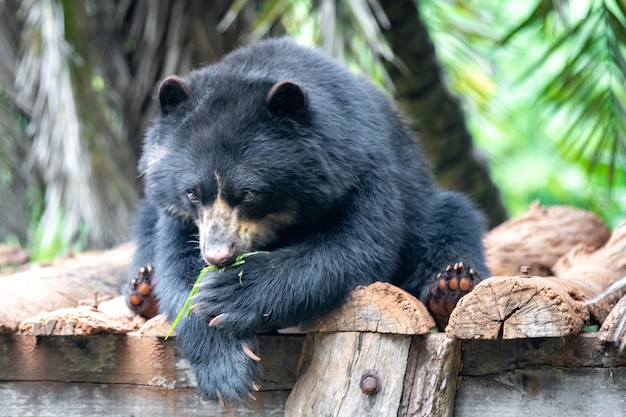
514 307
380 308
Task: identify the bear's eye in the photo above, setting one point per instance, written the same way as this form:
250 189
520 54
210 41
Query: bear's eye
248 196
192 196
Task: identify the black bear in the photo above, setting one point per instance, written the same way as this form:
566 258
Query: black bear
278 148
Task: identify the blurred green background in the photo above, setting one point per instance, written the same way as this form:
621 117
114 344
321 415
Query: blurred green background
540 86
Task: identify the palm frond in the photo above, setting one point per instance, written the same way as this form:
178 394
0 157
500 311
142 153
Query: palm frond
350 30
546 15
45 88
583 100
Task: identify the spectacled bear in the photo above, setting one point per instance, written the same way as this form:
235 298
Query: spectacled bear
278 148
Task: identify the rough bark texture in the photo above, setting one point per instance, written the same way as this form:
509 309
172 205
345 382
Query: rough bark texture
64 283
430 381
330 376
613 330
379 308
76 321
539 237
439 118
513 307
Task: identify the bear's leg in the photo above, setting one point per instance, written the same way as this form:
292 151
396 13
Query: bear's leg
139 291
453 262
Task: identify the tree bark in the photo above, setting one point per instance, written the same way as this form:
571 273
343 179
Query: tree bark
439 119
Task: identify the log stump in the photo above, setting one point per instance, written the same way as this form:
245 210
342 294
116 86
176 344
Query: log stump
368 359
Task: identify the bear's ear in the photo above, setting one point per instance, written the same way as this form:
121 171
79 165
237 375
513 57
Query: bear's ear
286 99
172 92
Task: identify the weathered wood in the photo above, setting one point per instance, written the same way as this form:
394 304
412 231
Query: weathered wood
544 392
79 375
330 375
431 376
157 326
514 307
108 317
539 237
613 330
544 376
590 272
122 359
70 399
121 375
369 336
81 320
64 283
489 357
379 308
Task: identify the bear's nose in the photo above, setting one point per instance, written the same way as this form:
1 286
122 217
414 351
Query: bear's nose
221 256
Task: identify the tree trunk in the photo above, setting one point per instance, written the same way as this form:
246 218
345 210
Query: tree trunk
439 119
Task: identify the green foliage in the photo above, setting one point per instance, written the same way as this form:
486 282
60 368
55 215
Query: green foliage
543 84
350 30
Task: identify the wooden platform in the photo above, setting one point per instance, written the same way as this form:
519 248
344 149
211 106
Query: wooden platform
119 375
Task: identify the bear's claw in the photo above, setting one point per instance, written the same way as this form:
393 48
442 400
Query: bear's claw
451 285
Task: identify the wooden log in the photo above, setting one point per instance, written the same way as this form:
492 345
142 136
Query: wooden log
591 272
539 237
350 374
430 381
355 361
612 334
77 321
379 308
513 307
64 283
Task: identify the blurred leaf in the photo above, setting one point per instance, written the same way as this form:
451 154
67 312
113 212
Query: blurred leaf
590 85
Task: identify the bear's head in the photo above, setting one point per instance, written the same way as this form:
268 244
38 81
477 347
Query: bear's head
241 159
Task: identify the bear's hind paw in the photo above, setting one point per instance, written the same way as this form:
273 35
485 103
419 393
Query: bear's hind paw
141 299
450 286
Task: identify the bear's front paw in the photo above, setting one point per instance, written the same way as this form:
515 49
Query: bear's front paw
451 285
141 298
230 303
230 376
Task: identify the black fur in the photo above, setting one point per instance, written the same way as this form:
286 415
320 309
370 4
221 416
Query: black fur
340 160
